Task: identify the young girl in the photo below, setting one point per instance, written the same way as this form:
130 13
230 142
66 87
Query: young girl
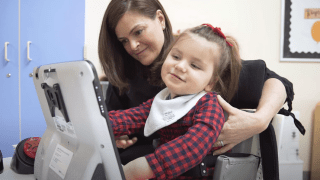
201 64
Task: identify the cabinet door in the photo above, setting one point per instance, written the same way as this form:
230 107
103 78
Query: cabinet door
55 30
9 76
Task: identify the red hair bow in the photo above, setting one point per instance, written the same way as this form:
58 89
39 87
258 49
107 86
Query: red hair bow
218 31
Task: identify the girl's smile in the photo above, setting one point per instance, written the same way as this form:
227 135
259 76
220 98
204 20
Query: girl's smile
177 77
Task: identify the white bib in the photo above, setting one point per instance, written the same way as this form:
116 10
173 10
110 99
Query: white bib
166 112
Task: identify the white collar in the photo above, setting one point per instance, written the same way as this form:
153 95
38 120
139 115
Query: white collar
166 112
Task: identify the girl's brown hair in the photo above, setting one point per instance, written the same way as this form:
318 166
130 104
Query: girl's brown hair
117 64
226 70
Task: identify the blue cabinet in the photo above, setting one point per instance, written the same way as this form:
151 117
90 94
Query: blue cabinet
39 32
9 75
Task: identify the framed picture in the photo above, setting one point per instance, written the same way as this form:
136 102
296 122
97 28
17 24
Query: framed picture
300 31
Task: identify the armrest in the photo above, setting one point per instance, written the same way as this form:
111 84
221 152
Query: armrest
240 168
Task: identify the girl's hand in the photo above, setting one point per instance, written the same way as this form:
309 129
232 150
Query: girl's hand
124 141
239 126
138 169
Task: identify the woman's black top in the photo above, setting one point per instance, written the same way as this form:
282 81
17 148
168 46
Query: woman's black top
252 77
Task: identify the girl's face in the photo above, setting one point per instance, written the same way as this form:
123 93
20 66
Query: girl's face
142 37
188 68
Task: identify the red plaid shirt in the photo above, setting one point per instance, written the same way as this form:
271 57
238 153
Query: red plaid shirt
183 144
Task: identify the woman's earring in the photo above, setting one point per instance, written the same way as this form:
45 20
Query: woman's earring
163 27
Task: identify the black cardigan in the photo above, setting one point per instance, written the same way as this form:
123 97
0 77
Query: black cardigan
252 77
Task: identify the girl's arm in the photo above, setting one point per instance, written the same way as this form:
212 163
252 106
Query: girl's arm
138 169
125 122
242 125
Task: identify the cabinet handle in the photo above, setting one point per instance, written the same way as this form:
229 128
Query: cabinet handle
28 50
6 51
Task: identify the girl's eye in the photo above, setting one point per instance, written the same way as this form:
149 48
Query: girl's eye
195 66
175 57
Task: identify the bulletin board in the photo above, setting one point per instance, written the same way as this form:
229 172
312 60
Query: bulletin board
300 31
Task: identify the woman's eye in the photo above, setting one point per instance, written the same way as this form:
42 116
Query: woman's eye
137 33
124 41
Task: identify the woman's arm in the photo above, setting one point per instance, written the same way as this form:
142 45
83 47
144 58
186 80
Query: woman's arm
242 125
272 99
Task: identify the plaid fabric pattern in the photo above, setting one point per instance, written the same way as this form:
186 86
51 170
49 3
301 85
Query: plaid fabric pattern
130 121
183 144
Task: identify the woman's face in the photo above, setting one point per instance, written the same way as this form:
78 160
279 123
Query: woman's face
142 37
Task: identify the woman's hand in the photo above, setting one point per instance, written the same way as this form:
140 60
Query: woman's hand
239 126
124 141
177 34
242 125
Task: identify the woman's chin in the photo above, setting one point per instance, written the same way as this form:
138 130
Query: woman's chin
146 61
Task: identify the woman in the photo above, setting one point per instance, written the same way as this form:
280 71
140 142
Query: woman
135 34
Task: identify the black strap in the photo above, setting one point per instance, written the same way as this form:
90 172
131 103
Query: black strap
269 154
295 120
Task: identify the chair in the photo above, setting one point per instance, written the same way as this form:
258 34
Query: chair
262 146
260 158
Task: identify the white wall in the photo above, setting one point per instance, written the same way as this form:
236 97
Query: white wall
256 26
93 17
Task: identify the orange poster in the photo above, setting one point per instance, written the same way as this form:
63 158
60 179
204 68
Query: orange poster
312 13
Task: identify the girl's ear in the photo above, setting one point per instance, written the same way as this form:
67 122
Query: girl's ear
211 84
209 87
161 19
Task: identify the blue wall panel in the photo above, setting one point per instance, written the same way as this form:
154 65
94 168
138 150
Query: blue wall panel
9 86
56 30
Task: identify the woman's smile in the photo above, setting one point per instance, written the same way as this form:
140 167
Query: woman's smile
139 53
